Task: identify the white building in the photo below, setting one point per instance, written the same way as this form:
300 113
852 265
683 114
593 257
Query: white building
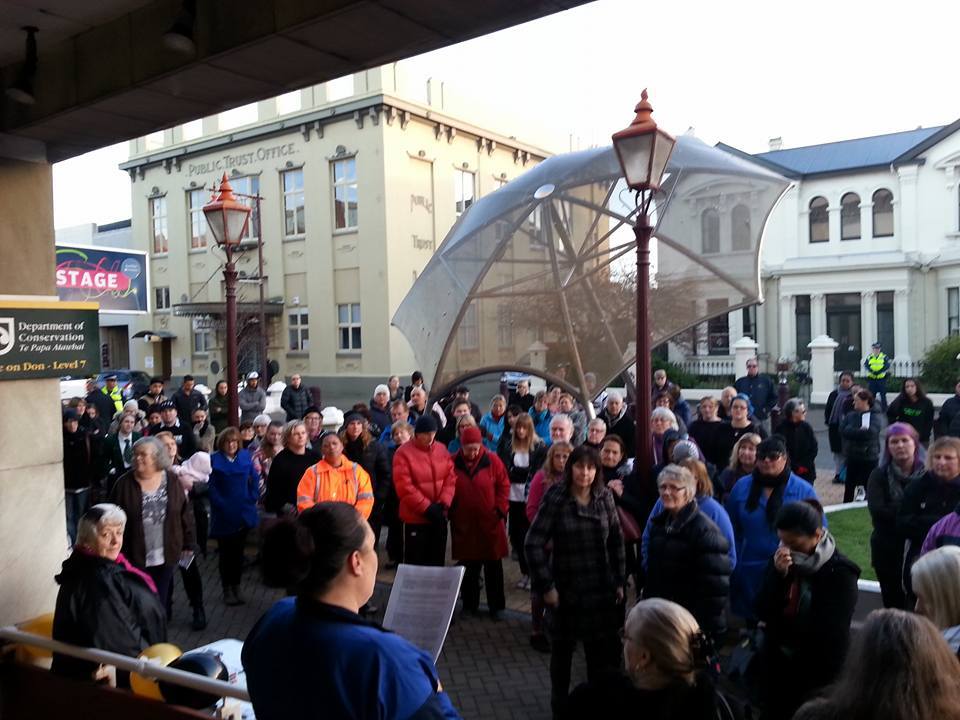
864 246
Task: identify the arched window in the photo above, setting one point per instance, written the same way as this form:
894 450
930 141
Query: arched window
882 213
710 231
850 217
819 220
740 228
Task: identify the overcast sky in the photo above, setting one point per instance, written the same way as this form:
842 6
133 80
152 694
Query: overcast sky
738 72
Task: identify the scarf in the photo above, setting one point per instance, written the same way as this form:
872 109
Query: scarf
809 564
775 501
897 481
836 412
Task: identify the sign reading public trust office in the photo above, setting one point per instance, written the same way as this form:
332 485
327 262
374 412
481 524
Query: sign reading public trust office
240 160
45 339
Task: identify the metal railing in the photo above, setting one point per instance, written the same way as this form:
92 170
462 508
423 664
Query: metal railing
897 368
141 666
708 366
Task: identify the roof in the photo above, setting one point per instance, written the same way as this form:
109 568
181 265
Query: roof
849 155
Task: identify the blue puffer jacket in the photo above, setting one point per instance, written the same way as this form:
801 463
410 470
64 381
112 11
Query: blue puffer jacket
234 490
492 430
541 423
306 659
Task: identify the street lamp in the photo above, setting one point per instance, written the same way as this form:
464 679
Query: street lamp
227 219
643 151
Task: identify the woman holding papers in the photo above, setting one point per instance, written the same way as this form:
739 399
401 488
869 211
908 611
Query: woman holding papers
313 655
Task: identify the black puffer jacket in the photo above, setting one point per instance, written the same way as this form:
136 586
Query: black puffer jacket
374 459
103 605
859 443
689 563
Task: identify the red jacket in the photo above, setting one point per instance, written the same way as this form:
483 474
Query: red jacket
479 509
422 477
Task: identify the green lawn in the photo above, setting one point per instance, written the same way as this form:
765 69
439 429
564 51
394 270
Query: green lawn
851 529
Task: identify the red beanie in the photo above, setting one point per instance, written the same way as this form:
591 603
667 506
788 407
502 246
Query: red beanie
470 436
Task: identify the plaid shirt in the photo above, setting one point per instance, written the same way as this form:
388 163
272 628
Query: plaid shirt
587 562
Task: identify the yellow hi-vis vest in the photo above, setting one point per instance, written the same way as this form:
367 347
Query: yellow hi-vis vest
875 364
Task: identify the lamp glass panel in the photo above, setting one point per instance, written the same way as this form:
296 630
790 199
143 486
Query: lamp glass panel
661 154
634 155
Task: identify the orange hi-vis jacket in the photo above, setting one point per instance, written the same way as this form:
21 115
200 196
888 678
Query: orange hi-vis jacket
348 483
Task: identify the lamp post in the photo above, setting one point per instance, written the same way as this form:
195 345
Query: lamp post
227 219
643 151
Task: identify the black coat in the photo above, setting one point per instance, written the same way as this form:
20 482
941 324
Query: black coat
804 650
925 501
688 563
859 443
949 411
918 413
183 434
801 444
520 475
102 605
295 401
186 404
886 541
715 440
113 455
624 428
286 470
375 460
612 695
77 460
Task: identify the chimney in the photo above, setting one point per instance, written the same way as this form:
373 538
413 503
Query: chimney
776 143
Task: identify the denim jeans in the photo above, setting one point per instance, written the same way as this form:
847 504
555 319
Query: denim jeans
76 505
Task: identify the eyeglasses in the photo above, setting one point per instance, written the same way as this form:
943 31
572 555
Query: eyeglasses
770 456
671 489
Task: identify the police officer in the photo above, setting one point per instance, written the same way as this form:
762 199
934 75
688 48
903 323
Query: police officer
111 390
877 364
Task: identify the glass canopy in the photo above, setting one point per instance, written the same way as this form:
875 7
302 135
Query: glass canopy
540 276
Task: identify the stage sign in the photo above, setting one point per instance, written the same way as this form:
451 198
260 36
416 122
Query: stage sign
116 279
46 339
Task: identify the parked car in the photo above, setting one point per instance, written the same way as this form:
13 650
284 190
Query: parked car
512 378
132 383
71 387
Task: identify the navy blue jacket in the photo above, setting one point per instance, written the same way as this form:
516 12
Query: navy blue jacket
306 659
761 392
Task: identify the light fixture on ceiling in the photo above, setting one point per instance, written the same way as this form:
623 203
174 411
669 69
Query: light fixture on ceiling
179 37
22 90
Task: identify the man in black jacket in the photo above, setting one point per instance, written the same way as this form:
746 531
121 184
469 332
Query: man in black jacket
182 431
948 422
76 470
154 394
295 399
186 400
759 388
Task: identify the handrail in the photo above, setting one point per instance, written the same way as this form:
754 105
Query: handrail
140 666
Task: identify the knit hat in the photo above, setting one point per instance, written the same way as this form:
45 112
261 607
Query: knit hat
312 409
353 415
425 424
381 389
471 436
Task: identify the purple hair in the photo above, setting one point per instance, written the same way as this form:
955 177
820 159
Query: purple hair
902 428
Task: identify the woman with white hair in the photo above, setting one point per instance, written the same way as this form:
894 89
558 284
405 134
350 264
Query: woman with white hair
104 602
260 424
936 583
668 663
160 525
687 555
618 422
661 420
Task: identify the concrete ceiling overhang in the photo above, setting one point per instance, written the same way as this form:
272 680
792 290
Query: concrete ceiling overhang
104 74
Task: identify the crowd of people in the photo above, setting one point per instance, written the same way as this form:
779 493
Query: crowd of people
725 524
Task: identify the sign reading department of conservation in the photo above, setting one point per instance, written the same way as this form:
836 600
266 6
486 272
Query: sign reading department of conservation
116 279
45 339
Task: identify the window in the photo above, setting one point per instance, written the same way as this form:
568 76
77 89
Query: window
710 231
243 115
158 220
248 185
345 194
289 103
718 328
803 326
464 188
191 130
885 319
740 228
348 323
202 338
750 322
198 223
882 213
153 141
504 327
161 296
470 329
299 332
819 220
953 311
850 217
293 218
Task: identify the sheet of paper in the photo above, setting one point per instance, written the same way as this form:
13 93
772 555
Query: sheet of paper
865 421
421 605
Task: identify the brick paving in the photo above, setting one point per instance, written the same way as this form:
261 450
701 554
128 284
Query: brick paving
487 667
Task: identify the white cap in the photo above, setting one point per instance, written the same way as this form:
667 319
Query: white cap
253 375
331 417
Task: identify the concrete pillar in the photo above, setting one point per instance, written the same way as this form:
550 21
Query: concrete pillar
735 323
788 330
743 349
901 324
833 223
822 349
33 534
818 315
868 319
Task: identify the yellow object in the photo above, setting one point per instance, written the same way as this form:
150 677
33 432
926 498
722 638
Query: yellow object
41 625
163 654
